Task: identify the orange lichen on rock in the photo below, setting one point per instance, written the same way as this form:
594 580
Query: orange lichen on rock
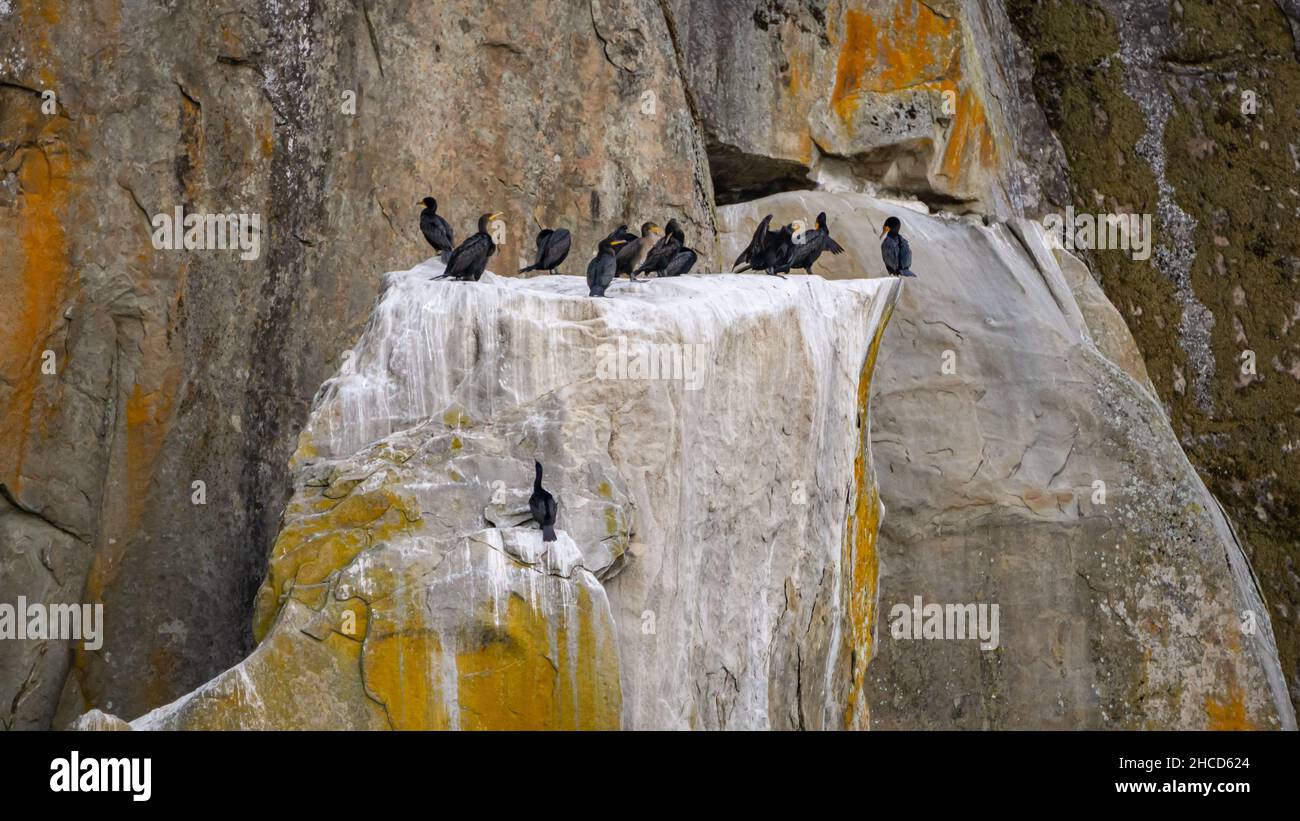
860 556
1230 713
913 46
40 272
970 137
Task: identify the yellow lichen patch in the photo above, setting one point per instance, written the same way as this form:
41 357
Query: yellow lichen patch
290 682
310 548
521 669
306 449
456 418
402 671
1230 713
860 556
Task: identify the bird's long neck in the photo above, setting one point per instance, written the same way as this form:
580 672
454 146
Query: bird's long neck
537 482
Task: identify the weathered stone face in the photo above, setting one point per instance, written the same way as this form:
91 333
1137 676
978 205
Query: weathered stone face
910 96
1007 389
1186 111
330 121
709 572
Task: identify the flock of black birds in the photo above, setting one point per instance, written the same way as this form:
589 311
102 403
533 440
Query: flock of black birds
659 251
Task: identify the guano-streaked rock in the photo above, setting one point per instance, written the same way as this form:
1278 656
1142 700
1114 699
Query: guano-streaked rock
715 566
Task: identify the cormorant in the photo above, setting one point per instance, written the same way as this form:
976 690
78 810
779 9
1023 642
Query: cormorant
664 250
681 263
895 250
552 248
436 229
600 271
755 246
805 249
634 253
778 246
542 505
470 258
622 233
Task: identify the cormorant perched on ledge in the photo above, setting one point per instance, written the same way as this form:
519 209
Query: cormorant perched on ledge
552 248
807 247
469 260
634 253
681 263
673 240
600 271
895 250
776 251
755 247
436 229
542 505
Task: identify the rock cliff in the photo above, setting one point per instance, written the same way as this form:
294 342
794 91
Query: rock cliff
151 401
706 438
1026 462
1186 110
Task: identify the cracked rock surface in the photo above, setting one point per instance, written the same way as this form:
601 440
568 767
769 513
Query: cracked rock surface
1118 609
715 566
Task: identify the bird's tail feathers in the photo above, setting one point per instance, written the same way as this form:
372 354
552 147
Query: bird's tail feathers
906 272
529 268
548 533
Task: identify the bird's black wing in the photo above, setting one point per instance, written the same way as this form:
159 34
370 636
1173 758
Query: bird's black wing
833 246
557 248
437 231
681 263
889 253
661 253
755 245
469 255
904 255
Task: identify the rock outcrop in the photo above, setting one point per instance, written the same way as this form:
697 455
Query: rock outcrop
129 373
1187 113
715 568
915 96
1026 462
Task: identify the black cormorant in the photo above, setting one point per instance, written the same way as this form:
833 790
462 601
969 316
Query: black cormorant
895 250
542 505
552 248
778 246
755 246
436 229
634 253
664 250
805 248
600 271
470 258
621 233
681 263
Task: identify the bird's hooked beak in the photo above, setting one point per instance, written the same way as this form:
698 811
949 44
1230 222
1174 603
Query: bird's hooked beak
494 216
884 232
618 242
